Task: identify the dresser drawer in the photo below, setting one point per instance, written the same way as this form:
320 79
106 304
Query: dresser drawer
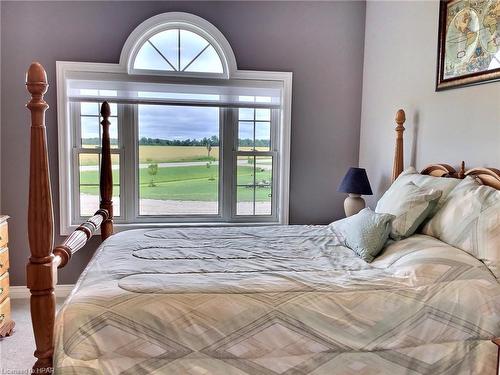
4 260
4 286
4 234
5 311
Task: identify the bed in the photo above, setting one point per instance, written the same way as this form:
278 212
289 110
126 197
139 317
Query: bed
276 301
254 300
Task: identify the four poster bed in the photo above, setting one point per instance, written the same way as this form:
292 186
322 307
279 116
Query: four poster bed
267 300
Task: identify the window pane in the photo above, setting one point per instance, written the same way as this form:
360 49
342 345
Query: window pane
263 99
191 45
89 184
254 185
263 114
89 168
254 129
245 201
263 136
178 160
246 114
149 58
89 109
114 109
113 132
89 92
115 165
263 184
245 171
91 128
90 131
167 44
208 61
245 136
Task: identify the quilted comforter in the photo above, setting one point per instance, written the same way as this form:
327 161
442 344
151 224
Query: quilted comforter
277 300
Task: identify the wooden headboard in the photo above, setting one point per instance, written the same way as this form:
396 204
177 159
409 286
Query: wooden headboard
486 176
45 259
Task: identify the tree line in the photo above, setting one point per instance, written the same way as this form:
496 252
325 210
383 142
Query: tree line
212 141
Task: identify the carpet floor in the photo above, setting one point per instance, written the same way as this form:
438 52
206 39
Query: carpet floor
16 351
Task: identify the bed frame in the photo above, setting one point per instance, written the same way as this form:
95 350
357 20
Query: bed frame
46 259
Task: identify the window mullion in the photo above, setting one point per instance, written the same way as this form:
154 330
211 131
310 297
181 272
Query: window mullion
228 173
75 133
127 168
277 160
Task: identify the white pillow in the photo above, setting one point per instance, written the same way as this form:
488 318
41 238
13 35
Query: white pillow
410 204
446 185
470 220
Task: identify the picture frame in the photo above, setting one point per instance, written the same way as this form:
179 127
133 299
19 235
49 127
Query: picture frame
468 43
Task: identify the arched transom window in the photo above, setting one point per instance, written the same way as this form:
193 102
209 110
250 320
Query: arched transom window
178 44
178 50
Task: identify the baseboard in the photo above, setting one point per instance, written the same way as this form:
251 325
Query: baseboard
19 292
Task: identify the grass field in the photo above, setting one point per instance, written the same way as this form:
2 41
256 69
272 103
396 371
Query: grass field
166 154
170 154
187 183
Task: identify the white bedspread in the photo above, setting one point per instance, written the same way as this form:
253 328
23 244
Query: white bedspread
277 300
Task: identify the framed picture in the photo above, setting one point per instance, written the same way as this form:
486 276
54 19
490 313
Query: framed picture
468 43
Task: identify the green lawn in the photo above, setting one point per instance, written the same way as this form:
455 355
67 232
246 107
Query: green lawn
190 183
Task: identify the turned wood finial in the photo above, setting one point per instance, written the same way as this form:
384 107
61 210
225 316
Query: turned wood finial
400 117
461 173
398 164
105 110
36 83
36 78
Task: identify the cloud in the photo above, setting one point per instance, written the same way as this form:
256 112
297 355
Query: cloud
178 122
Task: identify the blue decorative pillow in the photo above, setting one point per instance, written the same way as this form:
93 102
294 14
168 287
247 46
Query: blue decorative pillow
365 233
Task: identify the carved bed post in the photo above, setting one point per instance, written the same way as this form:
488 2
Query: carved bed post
42 266
44 260
398 164
106 177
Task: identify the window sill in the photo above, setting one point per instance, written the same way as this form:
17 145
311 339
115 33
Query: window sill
120 227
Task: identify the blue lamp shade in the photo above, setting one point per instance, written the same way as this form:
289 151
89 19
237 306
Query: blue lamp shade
355 182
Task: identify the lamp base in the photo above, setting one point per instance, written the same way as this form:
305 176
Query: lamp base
353 204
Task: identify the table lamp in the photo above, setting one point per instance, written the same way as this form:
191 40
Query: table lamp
355 183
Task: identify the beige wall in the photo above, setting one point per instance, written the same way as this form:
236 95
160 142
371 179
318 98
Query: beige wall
400 72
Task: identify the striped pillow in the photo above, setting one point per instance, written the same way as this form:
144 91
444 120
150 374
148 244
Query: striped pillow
410 204
470 220
446 185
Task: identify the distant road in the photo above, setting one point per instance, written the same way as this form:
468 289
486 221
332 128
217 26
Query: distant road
86 168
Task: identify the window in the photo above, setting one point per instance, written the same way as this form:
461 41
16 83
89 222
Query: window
87 156
255 166
178 160
209 145
180 51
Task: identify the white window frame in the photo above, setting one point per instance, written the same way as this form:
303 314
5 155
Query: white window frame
175 20
68 70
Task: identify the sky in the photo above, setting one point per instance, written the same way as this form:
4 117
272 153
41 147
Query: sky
181 122
177 122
